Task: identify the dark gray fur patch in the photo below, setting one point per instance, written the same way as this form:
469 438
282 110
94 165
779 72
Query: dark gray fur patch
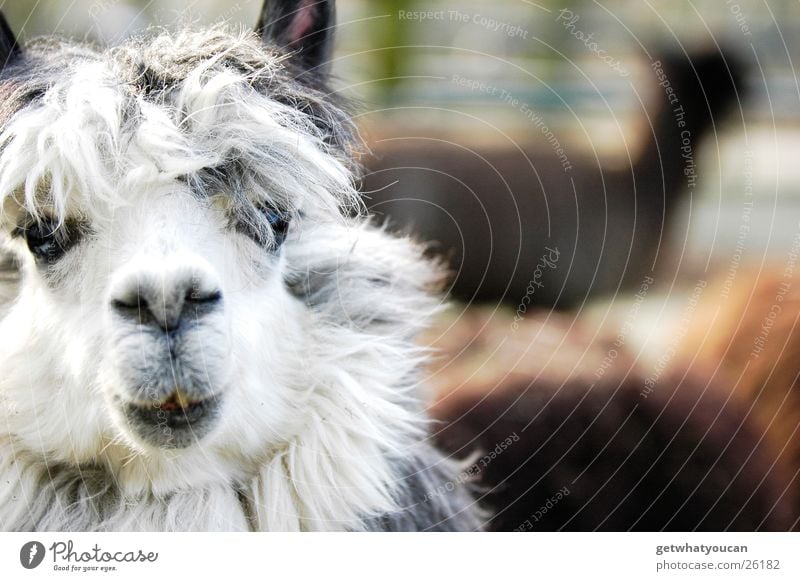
433 497
81 496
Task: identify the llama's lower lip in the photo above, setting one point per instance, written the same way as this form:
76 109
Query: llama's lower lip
174 423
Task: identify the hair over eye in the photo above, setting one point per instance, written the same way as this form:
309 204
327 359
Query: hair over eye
265 225
48 240
278 221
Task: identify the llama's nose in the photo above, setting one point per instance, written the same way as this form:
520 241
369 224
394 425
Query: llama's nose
151 300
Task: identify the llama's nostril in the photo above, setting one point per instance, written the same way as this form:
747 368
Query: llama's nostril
133 308
128 305
165 304
203 297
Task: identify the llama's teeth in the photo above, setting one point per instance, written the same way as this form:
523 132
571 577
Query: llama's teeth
181 399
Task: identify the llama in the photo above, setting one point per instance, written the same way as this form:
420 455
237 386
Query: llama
206 332
594 445
746 333
608 222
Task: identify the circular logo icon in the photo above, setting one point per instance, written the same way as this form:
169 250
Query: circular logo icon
31 554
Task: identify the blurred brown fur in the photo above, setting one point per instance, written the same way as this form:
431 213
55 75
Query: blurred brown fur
747 334
681 455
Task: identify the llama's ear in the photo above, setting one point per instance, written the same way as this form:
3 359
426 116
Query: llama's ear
304 27
9 47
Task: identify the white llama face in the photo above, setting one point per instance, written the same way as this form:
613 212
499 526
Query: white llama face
155 235
190 303
181 309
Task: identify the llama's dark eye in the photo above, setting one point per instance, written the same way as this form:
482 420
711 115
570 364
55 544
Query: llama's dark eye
278 221
264 224
46 240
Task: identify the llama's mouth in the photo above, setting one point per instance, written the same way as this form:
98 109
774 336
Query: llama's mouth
177 422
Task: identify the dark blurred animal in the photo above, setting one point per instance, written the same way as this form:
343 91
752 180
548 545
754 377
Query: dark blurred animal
564 441
494 213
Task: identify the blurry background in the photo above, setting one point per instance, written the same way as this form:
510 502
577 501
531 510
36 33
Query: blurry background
633 165
401 70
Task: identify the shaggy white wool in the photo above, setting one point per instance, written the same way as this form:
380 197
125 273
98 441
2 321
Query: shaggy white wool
312 357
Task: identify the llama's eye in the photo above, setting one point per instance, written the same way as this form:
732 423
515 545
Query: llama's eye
278 221
264 224
46 240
